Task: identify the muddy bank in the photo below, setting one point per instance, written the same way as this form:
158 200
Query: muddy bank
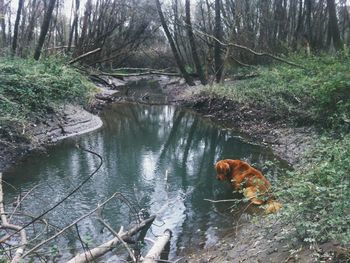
67 121
287 141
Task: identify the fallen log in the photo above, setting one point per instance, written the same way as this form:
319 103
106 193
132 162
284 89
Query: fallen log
154 253
6 225
99 251
84 55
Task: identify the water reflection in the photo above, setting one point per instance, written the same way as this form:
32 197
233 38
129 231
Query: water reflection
160 157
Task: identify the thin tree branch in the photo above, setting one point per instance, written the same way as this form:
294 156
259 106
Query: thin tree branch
71 225
118 237
5 224
66 197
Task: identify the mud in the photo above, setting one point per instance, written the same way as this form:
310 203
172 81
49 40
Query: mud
67 121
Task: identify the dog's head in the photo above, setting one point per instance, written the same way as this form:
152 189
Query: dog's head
222 170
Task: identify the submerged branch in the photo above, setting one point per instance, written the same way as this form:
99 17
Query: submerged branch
99 251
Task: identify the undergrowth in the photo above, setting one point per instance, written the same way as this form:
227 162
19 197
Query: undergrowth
317 195
318 94
30 89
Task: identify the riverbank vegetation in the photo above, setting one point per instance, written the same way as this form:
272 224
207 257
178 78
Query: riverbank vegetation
316 193
316 94
29 90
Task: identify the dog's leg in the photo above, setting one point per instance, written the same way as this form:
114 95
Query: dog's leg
251 193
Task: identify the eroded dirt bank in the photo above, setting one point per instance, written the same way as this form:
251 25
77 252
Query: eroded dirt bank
67 121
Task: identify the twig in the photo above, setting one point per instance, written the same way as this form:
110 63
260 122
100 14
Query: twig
5 224
64 198
20 201
83 244
71 225
220 201
118 237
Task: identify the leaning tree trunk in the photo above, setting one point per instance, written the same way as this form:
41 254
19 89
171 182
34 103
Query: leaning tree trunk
44 28
333 29
217 47
15 30
196 60
179 63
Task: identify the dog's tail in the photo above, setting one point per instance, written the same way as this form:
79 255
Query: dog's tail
272 206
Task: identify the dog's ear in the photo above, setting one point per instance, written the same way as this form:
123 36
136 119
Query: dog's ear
222 169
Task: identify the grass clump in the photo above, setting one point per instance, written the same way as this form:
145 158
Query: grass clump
317 195
29 89
319 94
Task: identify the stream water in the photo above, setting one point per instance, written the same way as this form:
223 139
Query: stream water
160 157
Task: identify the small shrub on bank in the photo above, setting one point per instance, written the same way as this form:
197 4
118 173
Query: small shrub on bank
319 94
29 88
317 195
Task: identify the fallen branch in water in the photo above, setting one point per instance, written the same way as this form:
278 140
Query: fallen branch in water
117 235
70 225
99 251
158 247
6 225
220 201
64 198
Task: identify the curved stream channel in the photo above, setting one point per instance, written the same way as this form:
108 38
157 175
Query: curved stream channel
160 157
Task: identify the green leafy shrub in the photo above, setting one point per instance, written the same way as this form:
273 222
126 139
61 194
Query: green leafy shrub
317 196
29 88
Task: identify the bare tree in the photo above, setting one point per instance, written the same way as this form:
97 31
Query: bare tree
44 28
333 29
179 63
2 23
218 36
15 30
74 24
195 57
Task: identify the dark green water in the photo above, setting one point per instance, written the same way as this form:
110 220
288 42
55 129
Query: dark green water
140 145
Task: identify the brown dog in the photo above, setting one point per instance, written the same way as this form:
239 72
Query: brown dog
244 177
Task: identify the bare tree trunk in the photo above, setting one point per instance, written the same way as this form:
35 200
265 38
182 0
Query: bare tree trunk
195 57
15 30
179 63
31 23
44 28
297 32
74 24
308 33
217 47
333 29
2 23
